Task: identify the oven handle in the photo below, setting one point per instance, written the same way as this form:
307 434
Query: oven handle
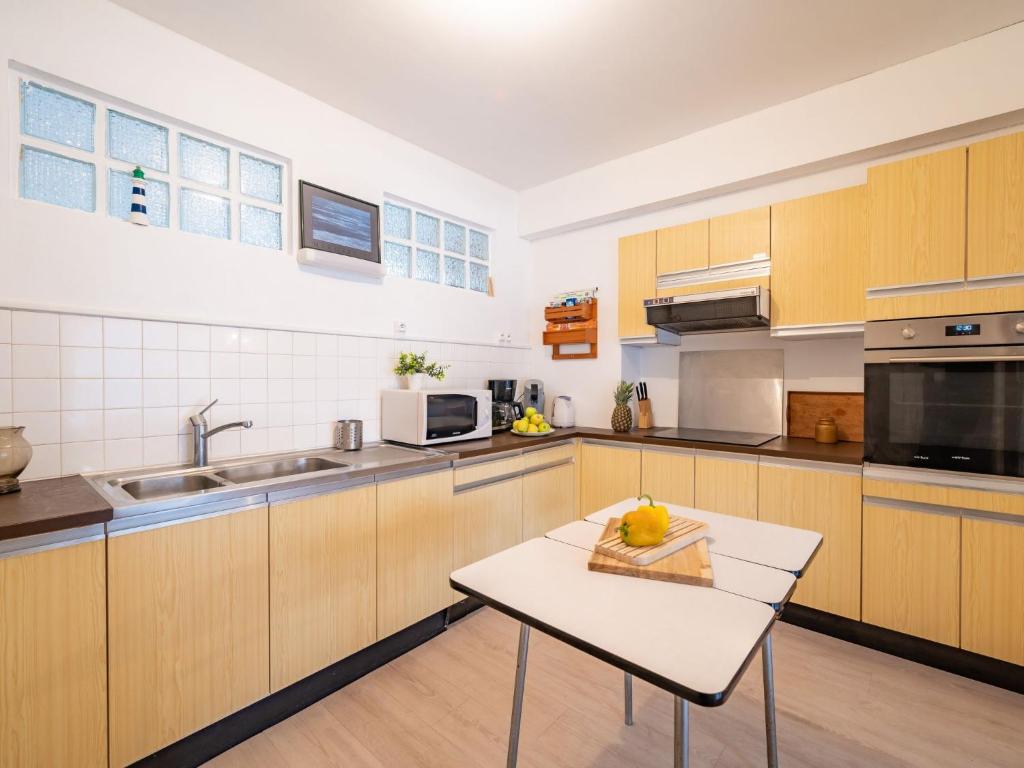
960 359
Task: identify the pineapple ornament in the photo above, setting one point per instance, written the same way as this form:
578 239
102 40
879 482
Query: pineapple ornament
138 214
622 416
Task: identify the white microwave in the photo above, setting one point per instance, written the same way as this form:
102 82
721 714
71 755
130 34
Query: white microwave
431 416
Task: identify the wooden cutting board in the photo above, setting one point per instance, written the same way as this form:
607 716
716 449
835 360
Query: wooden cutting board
803 409
690 565
681 533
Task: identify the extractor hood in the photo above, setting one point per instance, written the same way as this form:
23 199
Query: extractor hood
739 309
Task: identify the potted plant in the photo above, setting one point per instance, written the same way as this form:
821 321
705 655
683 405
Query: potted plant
622 416
414 369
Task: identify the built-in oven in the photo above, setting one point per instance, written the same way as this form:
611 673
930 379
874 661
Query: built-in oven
946 393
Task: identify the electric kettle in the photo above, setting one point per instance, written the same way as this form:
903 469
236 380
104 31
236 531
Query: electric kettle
563 413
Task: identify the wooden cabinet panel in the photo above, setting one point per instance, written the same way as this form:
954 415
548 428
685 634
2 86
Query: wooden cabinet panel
740 237
992 589
911 572
946 496
827 502
917 220
323 576
995 207
487 520
637 281
53 647
683 248
549 456
668 476
819 255
189 628
414 549
975 301
485 470
608 474
548 500
726 485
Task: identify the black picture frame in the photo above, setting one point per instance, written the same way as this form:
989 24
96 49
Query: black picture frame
309 194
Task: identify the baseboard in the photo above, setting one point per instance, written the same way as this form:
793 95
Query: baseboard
985 669
463 608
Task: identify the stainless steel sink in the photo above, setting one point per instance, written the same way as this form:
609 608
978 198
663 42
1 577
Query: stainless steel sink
169 485
270 470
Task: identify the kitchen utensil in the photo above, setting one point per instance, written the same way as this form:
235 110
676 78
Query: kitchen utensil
348 434
689 565
825 431
563 413
803 409
15 453
682 532
645 418
533 394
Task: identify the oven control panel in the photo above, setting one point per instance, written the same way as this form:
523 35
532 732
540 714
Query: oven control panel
1004 329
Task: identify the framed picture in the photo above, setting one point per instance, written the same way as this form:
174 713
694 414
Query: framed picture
337 223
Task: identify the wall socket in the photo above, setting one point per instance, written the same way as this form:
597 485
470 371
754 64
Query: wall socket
400 328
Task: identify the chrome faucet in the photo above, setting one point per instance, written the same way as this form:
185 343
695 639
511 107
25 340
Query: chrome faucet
201 433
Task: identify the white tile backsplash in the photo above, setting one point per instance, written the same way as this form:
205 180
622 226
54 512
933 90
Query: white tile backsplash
81 331
35 395
5 326
35 361
156 335
118 332
6 365
81 362
35 328
122 363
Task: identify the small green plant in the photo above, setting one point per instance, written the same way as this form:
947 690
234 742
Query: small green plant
410 363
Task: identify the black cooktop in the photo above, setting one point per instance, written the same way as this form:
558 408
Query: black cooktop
715 436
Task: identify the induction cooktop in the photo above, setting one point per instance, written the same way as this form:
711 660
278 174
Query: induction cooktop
715 436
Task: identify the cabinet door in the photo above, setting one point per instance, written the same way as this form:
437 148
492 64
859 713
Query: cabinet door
992 589
917 220
667 476
995 207
608 475
548 500
828 502
189 628
53 697
739 237
912 572
637 281
683 248
727 485
488 519
323 577
414 550
819 252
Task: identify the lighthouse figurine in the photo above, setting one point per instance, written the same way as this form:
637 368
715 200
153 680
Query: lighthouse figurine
138 213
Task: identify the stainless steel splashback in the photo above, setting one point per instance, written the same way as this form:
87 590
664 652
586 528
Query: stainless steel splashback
738 390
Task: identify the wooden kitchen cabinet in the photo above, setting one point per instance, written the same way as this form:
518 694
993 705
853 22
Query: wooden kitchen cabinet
53 647
188 627
683 248
826 499
667 475
323 578
726 483
995 207
548 500
740 237
637 281
992 589
414 549
819 254
911 572
609 474
488 519
917 213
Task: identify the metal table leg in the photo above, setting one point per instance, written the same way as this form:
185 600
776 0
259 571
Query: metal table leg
681 753
628 691
769 702
517 697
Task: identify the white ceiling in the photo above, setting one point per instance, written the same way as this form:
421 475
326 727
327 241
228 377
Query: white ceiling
525 91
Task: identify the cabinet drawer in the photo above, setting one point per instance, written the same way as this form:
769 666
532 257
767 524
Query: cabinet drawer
549 456
486 470
946 496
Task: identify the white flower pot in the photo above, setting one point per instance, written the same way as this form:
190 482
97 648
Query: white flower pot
414 381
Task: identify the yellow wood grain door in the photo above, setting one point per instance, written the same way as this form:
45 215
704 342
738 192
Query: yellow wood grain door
53 635
911 572
323 581
548 500
608 474
667 476
726 485
637 281
828 502
683 248
488 519
819 258
189 628
995 207
739 237
917 218
414 549
992 589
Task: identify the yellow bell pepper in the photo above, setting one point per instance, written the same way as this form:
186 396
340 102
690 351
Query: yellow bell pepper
658 509
641 528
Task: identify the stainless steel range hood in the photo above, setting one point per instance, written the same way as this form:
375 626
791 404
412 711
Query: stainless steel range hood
739 309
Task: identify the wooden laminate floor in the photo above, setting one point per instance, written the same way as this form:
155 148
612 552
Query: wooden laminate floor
447 704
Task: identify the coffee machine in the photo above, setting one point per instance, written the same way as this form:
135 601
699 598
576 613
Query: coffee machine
504 408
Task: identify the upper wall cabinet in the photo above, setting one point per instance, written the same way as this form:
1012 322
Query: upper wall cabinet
740 237
684 248
995 208
819 250
637 281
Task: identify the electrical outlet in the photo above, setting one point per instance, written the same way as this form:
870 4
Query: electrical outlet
400 328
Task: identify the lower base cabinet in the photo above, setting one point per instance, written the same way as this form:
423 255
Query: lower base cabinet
323 576
667 475
53 695
548 500
488 519
188 627
608 474
726 484
992 588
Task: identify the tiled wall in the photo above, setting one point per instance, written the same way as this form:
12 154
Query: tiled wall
106 393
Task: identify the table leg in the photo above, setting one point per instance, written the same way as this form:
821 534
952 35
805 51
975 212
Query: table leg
628 691
681 756
517 697
769 702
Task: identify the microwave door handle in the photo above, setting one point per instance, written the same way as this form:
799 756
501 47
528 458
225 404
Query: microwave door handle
476 413
960 359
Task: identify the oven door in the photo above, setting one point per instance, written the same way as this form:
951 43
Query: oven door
954 409
450 415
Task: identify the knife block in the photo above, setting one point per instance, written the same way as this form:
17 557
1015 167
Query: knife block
645 418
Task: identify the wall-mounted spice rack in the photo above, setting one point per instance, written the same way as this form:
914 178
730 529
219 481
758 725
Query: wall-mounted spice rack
573 324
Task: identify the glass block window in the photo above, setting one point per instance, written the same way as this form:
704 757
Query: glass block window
454 272
479 245
259 178
428 229
397 221
52 178
396 259
119 198
202 161
478 276
136 141
57 117
454 237
205 214
260 226
428 266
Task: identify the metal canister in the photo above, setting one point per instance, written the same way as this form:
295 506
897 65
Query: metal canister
825 431
348 434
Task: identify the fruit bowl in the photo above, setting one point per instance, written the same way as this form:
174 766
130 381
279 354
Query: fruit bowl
534 434
522 426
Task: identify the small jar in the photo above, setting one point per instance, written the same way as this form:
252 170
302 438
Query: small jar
15 453
825 431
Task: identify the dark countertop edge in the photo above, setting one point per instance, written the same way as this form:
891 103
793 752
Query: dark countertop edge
51 505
